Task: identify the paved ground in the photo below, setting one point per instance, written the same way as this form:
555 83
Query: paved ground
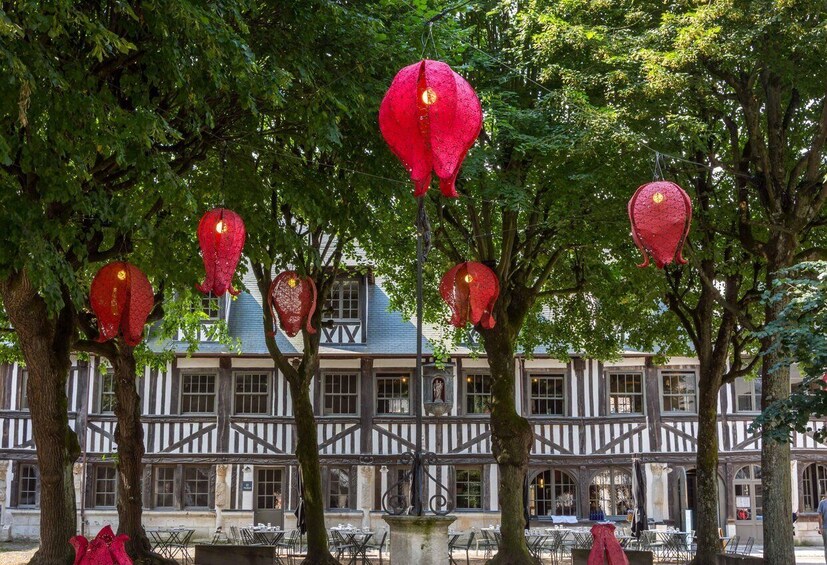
18 553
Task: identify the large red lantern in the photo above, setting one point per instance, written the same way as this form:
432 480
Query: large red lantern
430 118
122 299
605 547
221 236
661 213
105 549
470 289
293 299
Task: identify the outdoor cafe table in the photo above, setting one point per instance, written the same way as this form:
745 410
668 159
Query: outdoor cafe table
673 544
168 541
359 539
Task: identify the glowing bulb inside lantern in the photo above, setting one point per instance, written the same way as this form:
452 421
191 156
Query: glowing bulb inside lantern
121 275
428 96
657 198
292 282
221 227
468 278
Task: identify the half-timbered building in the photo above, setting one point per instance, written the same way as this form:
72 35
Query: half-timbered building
220 435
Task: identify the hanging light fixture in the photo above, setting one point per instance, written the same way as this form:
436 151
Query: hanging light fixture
661 213
122 299
221 236
430 118
470 289
292 298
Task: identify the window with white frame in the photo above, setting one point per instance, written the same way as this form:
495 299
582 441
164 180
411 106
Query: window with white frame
468 488
679 391
106 396
27 486
392 394
338 487
343 302
477 393
547 394
747 395
164 487
211 306
625 393
196 487
252 393
340 393
610 492
106 486
813 486
198 394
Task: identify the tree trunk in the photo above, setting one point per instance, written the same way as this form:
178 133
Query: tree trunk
129 435
46 345
511 443
776 481
307 453
706 523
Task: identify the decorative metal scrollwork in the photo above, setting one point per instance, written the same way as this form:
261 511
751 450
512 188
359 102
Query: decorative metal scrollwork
405 496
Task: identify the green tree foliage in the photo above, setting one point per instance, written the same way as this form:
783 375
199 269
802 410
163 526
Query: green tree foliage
800 337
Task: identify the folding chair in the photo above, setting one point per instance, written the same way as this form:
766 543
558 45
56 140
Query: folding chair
747 548
731 547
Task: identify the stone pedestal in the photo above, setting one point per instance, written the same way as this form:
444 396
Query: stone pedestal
422 540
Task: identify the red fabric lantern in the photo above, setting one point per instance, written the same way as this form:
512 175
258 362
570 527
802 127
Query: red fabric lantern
122 299
661 213
293 299
430 118
221 236
105 549
606 549
470 289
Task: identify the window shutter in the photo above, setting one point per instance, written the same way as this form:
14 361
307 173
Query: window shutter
147 492
175 394
603 394
90 486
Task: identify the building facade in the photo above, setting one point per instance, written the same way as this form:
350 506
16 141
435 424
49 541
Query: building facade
220 437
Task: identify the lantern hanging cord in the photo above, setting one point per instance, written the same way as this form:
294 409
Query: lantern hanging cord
657 172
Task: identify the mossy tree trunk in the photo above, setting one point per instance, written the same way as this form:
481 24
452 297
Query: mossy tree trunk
129 435
512 437
46 344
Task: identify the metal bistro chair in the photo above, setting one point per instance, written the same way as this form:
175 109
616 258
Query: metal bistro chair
248 538
181 545
235 537
731 547
378 545
461 544
340 545
747 549
487 543
290 546
219 537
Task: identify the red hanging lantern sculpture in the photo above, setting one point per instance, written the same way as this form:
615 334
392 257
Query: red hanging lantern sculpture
470 289
606 548
430 118
661 213
221 236
122 299
105 549
293 299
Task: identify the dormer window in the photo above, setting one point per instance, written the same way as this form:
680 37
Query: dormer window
343 302
211 306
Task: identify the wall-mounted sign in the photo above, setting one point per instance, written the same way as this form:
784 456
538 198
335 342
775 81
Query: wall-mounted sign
246 486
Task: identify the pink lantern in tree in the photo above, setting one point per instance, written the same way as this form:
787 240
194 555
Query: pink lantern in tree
470 289
661 213
122 299
430 118
221 236
606 549
105 549
293 299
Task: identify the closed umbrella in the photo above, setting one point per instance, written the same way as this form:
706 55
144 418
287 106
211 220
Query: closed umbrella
301 519
639 522
526 514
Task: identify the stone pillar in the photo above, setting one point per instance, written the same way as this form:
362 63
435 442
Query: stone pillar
422 540
658 502
365 487
794 490
220 494
5 530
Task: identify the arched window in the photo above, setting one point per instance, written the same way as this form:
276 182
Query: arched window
552 493
813 486
611 492
749 495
